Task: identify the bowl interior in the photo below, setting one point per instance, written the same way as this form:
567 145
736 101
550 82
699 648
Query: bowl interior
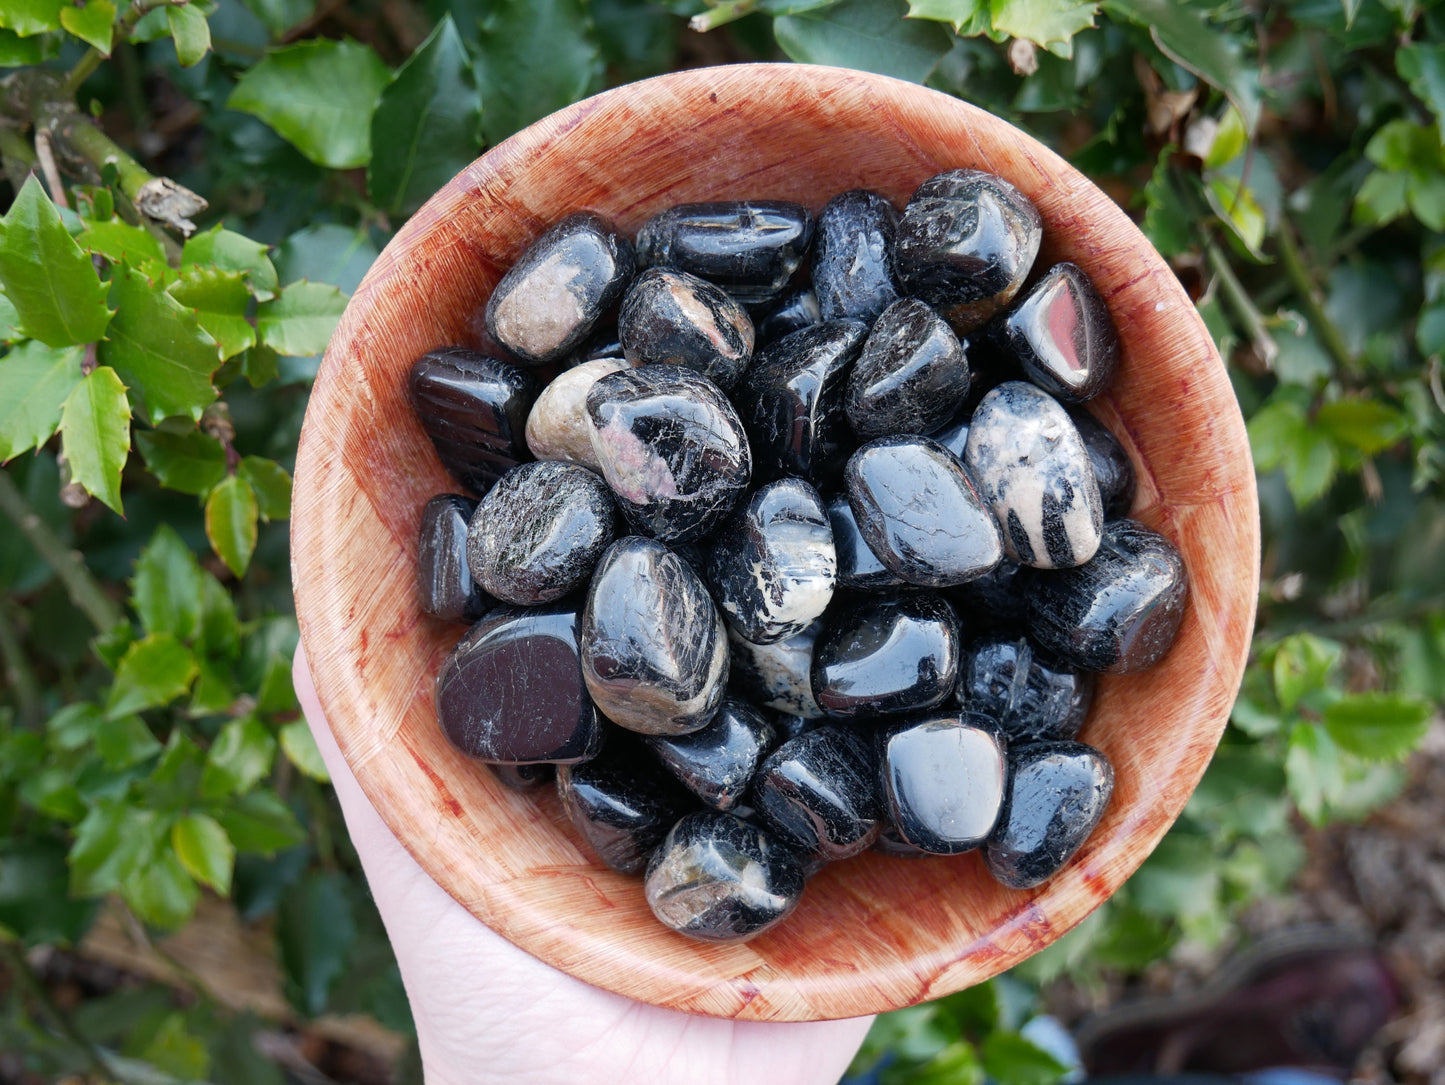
873 933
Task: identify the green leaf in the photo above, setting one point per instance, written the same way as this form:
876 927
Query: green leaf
175 1051
1377 726
272 485
956 1064
1281 436
155 670
533 58
51 283
327 253
315 931
967 17
1180 878
112 842
125 741
35 381
34 894
1237 208
301 320
259 821
1422 65
10 327
213 693
1426 197
219 299
869 34
231 513
220 628
1312 769
191 32
176 778
1302 664
93 24
1430 331
1364 424
300 747
319 95
1007 1056
230 251
95 434
1230 140
205 851
161 892
117 240
1383 197
27 17
1051 24
191 462
166 590
18 52
73 727
1168 221
239 757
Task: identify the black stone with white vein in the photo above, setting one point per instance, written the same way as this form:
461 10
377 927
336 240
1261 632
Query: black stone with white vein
879 657
1112 466
750 248
942 781
474 408
654 648
671 447
796 310
772 569
669 317
1057 792
1034 473
777 675
1062 335
911 376
444 583
717 764
819 793
549 300
1032 697
853 256
858 566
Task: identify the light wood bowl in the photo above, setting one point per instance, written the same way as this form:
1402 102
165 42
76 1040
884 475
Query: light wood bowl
873 933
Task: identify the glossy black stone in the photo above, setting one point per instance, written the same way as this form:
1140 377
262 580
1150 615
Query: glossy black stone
796 310
1057 793
621 804
858 566
474 409
1120 611
604 342
750 248
1062 335
1032 697
671 447
910 377
920 512
654 648
965 244
792 400
524 777
777 675
512 690
669 317
819 793
853 256
886 656
772 569
1113 469
717 763
942 781
995 600
548 302
718 878
787 727
889 843
953 437
444 583
539 532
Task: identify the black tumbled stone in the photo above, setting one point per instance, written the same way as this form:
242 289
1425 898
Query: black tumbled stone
750 248
474 409
1032 697
531 777
942 781
717 764
853 256
995 600
954 436
1057 793
911 376
669 317
620 804
444 583
1113 469
886 656
858 566
777 675
818 792
796 310
1062 335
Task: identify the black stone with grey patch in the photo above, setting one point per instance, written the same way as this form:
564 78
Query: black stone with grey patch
669 317
474 408
1033 697
777 675
797 310
911 376
853 256
858 566
750 248
1062 335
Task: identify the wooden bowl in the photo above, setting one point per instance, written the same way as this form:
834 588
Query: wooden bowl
873 933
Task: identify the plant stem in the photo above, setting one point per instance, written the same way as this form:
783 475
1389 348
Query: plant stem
19 675
1310 300
124 26
1240 304
725 12
82 587
20 970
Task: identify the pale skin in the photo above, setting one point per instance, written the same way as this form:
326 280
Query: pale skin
486 1011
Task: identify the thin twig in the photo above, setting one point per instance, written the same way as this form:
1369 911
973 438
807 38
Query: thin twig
48 170
1310 299
123 28
19 674
1240 304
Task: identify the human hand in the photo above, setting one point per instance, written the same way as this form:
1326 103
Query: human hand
486 1011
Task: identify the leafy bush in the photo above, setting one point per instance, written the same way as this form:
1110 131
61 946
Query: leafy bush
193 186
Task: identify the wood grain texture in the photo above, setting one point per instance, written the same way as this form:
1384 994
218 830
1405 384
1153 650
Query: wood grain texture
871 934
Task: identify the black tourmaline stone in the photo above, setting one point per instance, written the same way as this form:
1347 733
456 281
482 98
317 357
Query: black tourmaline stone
717 763
818 792
718 878
772 570
654 649
1112 467
1057 793
889 843
886 656
512 690
669 317
604 342
560 287
1031 697
792 401
1121 611
920 513
965 245
444 583
474 409
777 675
1062 335
796 311
911 376
942 781
858 566
750 248
1034 473
993 601
853 256
524 777
620 804
538 533
790 727
953 436
671 447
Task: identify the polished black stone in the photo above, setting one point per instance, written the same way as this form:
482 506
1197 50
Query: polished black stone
889 843
858 566
512 691
819 793
654 648
1113 469
1034 473
1057 793
911 376
671 447
787 727
717 763
621 804
965 244
792 400
853 256
532 777
794 312
995 600
920 512
604 342
444 583
718 878
1119 612
954 436
886 656
772 569
942 780
750 248
669 317
1033 697
539 532
549 300
474 409
777 675
1062 335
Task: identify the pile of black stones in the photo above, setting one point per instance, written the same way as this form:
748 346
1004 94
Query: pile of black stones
792 540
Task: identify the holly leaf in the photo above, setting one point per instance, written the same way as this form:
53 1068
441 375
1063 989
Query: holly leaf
191 32
231 514
869 34
259 821
1363 424
1422 65
35 381
219 299
28 17
112 842
118 241
220 627
1007 1056
1377 726
155 670
239 757
300 322
968 18
189 461
93 24
1051 24
1302 662
95 434
51 283
533 58
272 485
162 894
301 750
124 741
205 851
230 251
166 589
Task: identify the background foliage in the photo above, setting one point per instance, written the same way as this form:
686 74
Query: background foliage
218 174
